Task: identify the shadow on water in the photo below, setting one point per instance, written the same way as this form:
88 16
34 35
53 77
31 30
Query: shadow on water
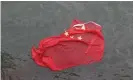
6 63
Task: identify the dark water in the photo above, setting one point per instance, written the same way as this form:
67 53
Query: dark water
25 23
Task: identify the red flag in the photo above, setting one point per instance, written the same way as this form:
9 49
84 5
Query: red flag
82 43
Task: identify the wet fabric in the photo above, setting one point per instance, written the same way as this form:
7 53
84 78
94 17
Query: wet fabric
82 43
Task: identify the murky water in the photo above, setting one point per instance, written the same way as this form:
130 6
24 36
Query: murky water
25 23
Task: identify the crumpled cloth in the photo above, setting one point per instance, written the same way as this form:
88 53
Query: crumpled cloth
82 43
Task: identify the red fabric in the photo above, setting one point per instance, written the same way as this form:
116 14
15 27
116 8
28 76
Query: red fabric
60 52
